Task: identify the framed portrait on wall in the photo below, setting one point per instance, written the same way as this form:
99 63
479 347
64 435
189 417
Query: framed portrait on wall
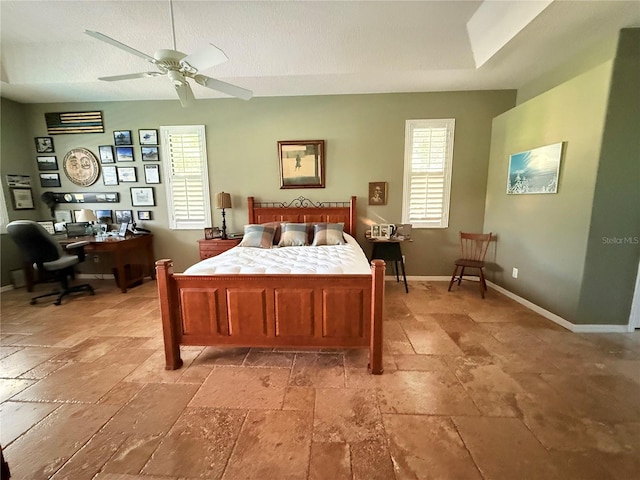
377 193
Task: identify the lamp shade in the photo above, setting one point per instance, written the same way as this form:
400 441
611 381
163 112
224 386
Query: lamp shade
223 200
86 215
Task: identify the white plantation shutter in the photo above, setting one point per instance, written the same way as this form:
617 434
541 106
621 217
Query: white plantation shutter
427 172
185 168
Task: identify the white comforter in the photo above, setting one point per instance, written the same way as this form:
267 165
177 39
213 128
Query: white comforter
333 260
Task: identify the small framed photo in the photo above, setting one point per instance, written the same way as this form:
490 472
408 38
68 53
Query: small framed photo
104 216
377 193
148 137
44 144
106 154
19 181
152 173
22 199
124 216
122 137
47 163
144 214
124 154
208 233
110 175
124 226
142 197
150 154
49 180
127 174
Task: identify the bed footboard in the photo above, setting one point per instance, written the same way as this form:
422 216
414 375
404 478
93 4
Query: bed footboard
339 311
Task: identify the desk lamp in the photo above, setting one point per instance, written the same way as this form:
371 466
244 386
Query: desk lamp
86 215
223 200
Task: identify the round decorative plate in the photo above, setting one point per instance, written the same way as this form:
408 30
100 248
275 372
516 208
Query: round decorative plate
81 167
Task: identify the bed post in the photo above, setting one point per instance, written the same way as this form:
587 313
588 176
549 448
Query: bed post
353 217
377 310
168 307
250 206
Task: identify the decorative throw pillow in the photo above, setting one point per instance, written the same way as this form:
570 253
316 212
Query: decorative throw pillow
258 236
293 235
276 229
328 234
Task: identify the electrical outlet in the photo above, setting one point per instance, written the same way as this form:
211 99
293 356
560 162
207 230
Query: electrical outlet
514 273
96 259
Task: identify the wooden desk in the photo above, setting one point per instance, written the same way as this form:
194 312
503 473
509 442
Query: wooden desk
136 251
389 250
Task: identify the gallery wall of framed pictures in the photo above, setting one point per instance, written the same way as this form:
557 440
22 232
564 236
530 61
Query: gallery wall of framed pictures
117 155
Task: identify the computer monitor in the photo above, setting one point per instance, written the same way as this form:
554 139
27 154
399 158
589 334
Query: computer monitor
76 229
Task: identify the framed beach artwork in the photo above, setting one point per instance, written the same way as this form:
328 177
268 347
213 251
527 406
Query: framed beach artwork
535 171
301 163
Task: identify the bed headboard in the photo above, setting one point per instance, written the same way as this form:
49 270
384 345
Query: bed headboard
303 210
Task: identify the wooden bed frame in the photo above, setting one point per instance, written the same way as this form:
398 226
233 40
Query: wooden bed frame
327 311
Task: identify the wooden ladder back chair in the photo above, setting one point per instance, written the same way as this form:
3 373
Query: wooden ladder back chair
473 249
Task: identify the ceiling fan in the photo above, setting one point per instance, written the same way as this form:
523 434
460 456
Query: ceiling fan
178 66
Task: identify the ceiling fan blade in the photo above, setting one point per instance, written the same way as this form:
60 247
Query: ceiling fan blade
121 46
115 78
223 87
184 93
204 58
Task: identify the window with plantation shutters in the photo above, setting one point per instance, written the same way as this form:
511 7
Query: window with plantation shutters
427 172
187 181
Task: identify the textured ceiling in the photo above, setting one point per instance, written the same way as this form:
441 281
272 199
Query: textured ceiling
297 47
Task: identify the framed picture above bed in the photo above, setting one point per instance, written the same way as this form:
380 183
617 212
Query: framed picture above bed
301 163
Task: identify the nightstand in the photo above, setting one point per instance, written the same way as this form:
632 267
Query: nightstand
211 248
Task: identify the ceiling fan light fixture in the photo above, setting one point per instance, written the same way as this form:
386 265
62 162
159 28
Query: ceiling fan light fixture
176 78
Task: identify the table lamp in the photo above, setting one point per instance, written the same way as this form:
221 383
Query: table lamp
86 215
223 200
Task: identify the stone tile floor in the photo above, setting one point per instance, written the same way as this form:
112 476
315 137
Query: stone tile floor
472 389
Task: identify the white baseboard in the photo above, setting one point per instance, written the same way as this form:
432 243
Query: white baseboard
6 288
576 328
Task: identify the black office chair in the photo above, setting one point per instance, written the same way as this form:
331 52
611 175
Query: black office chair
39 248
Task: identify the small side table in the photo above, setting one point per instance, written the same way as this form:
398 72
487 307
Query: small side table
389 250
211 248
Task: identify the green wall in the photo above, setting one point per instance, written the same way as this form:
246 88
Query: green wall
614 237
364 137
545 236
558 241
17 157
590 57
